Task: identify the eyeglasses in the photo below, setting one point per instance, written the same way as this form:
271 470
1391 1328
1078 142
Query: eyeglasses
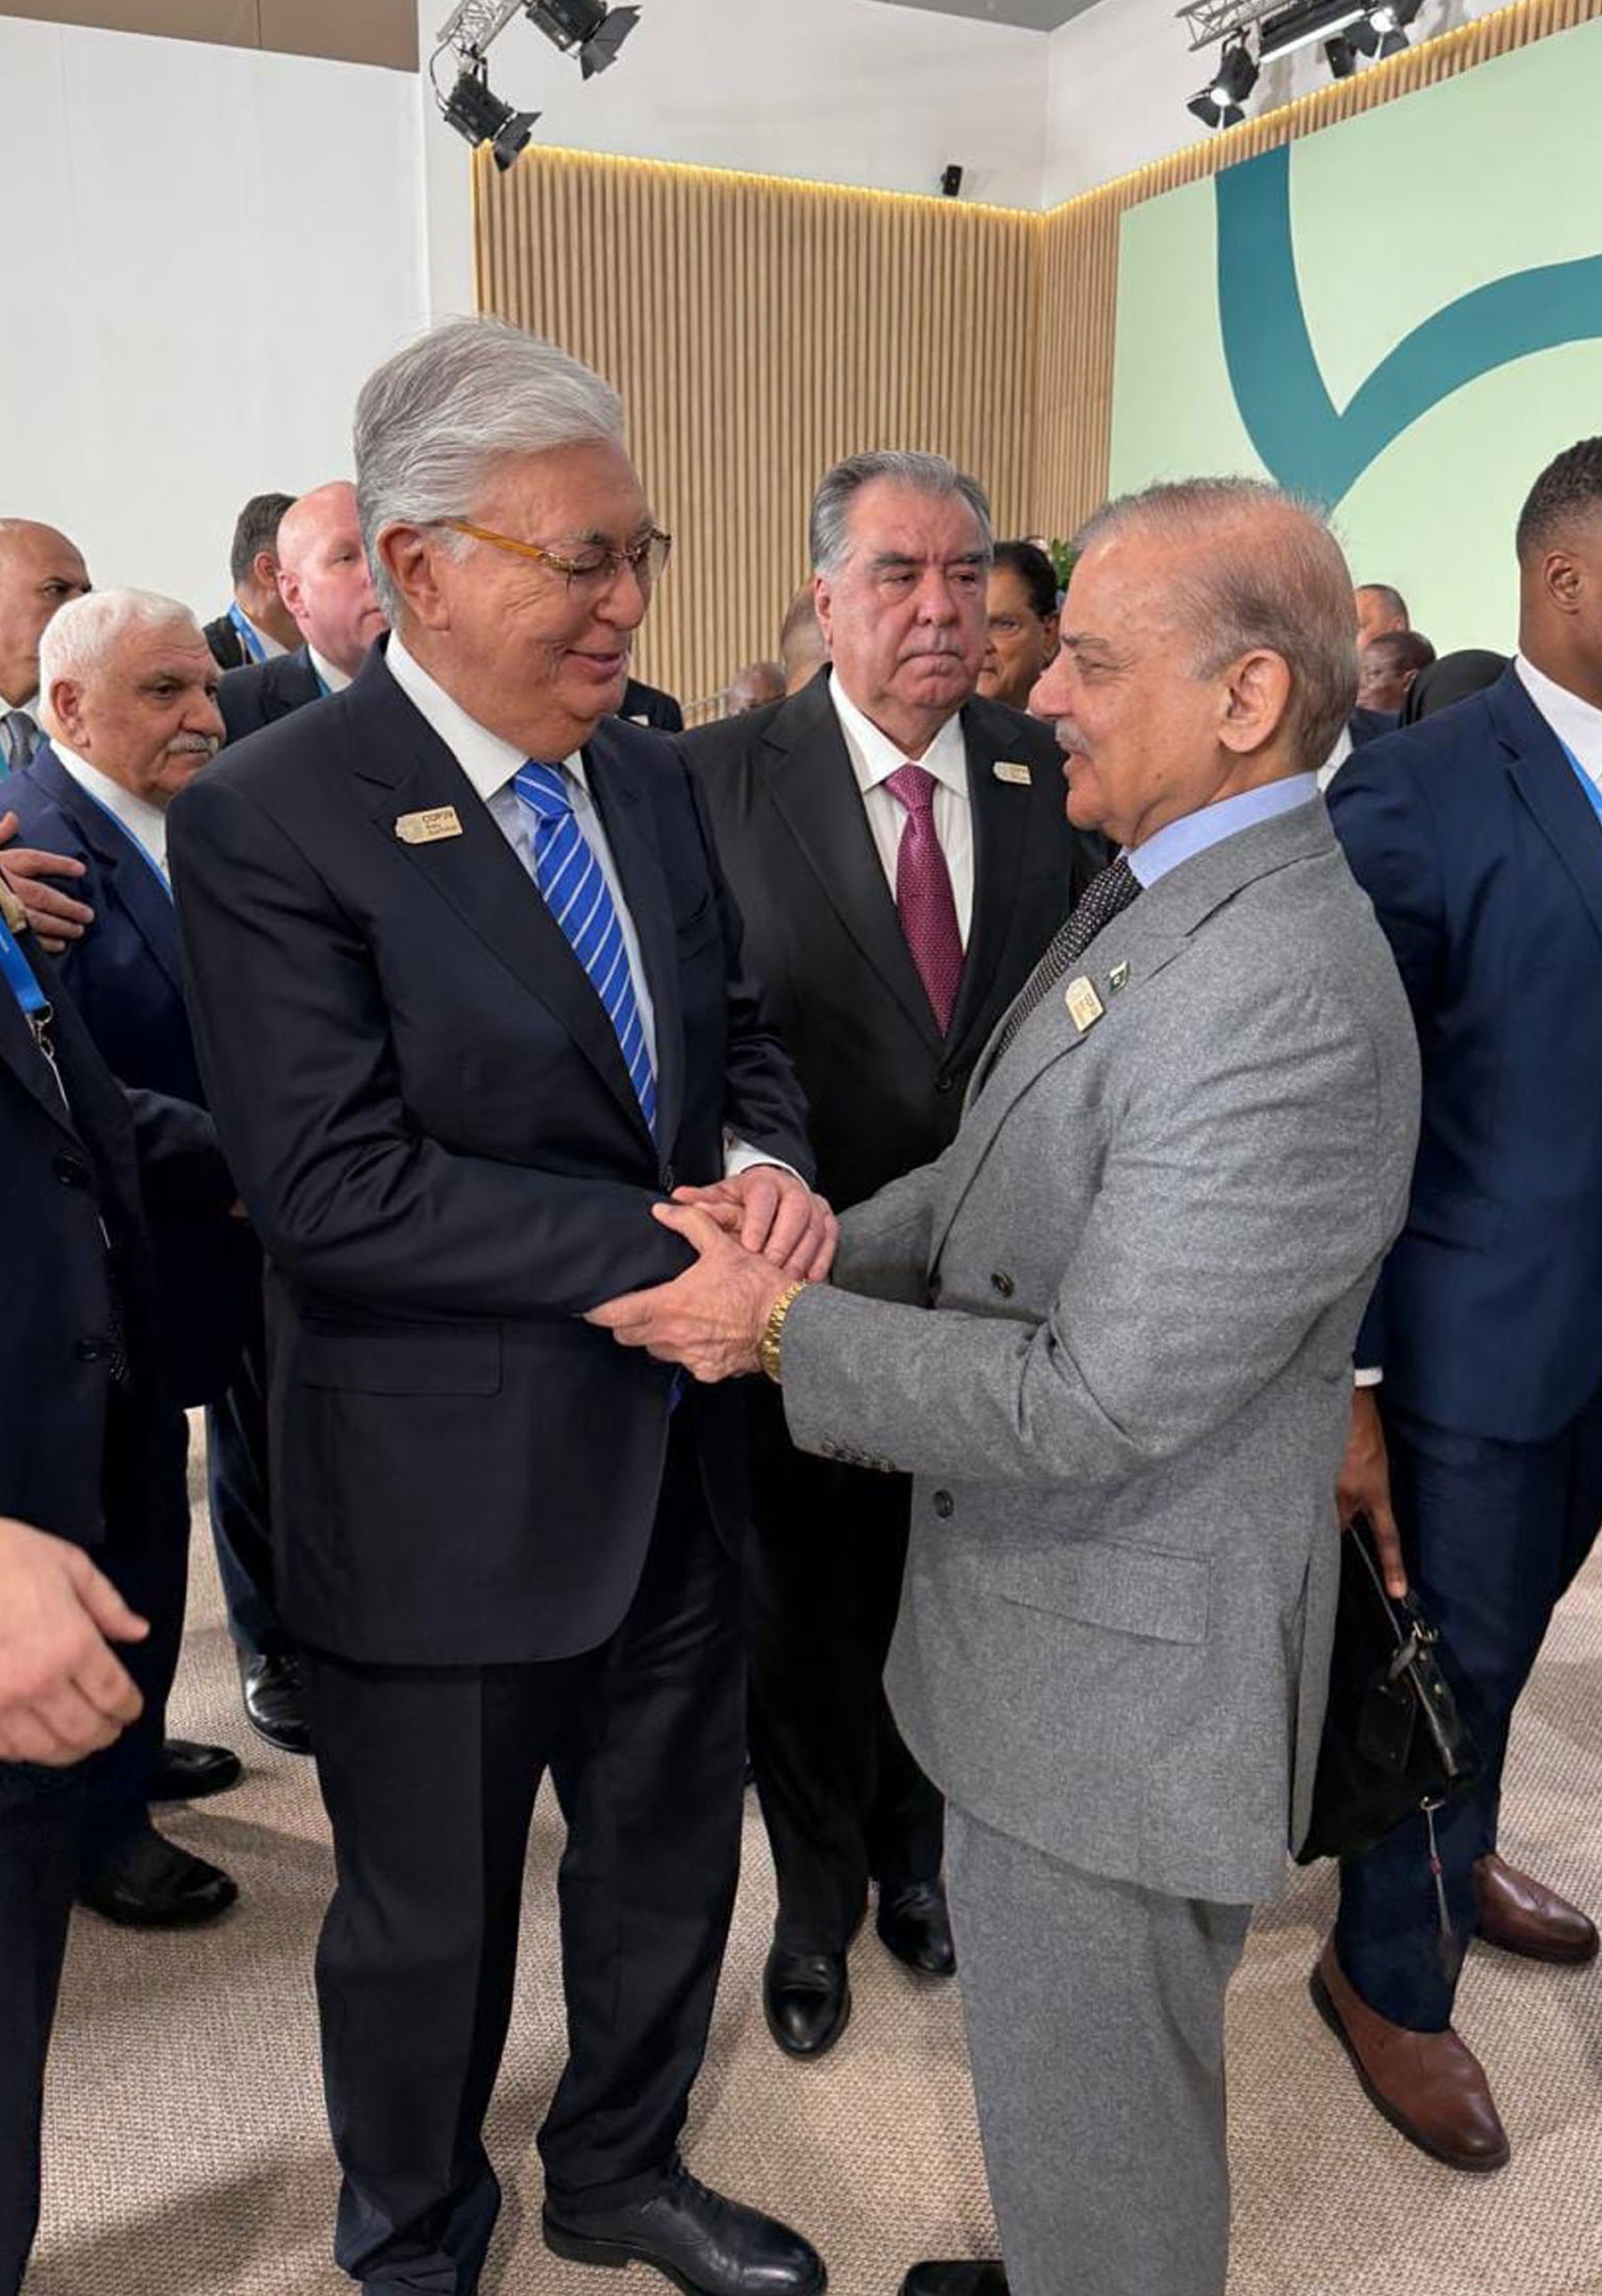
594 568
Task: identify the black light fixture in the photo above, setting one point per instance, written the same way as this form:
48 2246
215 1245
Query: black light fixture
592 27
478 114
1387 25
1341 57
1219 105
951 182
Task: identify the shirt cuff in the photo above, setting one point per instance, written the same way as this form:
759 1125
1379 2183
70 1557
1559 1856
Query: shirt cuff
1367 1375
740 1156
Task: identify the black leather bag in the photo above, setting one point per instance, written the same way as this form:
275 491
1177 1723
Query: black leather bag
1394 1743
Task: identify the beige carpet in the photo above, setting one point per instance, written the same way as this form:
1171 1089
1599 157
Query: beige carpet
187 2154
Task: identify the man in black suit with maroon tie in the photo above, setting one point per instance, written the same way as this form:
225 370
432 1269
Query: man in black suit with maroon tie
470 1000
900 856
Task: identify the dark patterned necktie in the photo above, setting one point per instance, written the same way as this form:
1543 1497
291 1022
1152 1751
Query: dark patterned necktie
1109 893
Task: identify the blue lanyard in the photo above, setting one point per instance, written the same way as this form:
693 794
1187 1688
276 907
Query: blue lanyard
247 636
137 842
1586 783
20 977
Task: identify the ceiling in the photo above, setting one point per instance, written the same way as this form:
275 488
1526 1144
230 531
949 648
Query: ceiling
1039 15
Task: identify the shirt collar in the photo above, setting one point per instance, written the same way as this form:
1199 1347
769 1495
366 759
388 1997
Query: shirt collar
270 645
875 757
1194 832
1577 724
145 822
489 762
334 681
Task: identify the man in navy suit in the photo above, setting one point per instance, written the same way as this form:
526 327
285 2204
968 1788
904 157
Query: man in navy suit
92 1450
469 998
128 685
327 589
1477 835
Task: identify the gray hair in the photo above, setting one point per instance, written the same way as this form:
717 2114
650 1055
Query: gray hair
434 421
828 529
81 638
1269 574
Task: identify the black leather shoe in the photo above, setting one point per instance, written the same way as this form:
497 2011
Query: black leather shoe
275 1700
806 1998
186 1772
980 2279
150 1883
914 1924
705 2245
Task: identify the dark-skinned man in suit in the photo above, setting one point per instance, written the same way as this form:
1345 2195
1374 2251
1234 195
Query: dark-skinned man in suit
899 849
327 594
470 998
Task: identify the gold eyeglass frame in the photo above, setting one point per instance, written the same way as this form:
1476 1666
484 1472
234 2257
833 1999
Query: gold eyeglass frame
636 556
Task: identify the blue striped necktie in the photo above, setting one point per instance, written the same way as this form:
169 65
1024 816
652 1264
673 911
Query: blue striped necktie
573 885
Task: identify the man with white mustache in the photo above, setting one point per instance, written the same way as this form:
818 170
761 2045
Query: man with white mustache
899 853
128 700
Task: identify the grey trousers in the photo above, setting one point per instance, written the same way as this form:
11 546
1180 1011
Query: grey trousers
1095 2020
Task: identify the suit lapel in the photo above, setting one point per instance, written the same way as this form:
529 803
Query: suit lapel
133 875
815 789
1000 812
1545 780
410 770
615 784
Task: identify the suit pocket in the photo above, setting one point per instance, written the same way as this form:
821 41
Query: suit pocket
408 1362
1133 1590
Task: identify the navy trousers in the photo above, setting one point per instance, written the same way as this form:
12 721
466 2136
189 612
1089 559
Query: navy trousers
40 1813
1493 1533
236 1465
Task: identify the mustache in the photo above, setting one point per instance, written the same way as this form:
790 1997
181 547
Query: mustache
194 745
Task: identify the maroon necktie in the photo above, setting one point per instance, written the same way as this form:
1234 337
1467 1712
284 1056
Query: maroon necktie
924 899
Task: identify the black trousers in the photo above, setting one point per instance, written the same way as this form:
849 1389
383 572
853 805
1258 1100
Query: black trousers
40 1815
843 1798
236 1468
430 1776
1493 1533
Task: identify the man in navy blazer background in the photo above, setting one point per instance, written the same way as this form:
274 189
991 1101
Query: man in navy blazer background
470 997
128 686
327 589
1477 835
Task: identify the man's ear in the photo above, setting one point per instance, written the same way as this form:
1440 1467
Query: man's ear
1256 696
410 558
65 703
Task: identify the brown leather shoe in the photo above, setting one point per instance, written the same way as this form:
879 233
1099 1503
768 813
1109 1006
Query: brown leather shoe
1429 2087
1522 1915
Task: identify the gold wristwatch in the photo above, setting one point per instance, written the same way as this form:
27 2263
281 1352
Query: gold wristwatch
772 1333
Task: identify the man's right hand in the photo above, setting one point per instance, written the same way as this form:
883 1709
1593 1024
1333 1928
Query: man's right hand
1363 1487
63 1692
56 918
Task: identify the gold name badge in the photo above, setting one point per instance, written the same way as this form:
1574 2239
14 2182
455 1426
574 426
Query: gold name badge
1085 1008
428 828
1006 769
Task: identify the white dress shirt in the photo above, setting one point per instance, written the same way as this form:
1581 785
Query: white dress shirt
1577 722
146 824
874 757
271 647
335 681
492 765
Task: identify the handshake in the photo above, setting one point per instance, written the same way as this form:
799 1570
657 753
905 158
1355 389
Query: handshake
753 1237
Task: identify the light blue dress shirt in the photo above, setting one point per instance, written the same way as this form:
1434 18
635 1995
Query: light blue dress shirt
1193 832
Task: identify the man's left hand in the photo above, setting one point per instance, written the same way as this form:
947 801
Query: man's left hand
780 1216
711 1318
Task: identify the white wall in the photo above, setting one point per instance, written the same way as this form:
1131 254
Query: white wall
836 91
206 251
1119 76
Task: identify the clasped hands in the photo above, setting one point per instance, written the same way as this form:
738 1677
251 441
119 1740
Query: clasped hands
754 1236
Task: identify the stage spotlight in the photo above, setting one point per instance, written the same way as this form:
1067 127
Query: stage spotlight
1219 105
478 114
1341 57
595 29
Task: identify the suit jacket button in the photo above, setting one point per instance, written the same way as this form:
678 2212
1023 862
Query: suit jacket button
945 1084
71 1171
1003 1284
670 1179
944 1504
90 1350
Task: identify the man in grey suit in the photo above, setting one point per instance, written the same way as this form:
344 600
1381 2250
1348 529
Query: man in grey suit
1111 1333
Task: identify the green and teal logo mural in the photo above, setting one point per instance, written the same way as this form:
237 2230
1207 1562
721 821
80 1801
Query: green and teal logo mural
1401 317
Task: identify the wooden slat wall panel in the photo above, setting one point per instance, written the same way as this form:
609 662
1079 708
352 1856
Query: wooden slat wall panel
1080 262
758 328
